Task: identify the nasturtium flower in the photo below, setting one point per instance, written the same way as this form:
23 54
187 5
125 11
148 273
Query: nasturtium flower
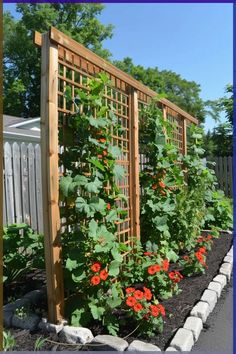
108 206
151 270
154 310
138 294
103 274
138 307
161 308
96 267
161 184
154 186
102 140
175 276
95 280
157 267
147 293
130 301
165 265
129 290
202 250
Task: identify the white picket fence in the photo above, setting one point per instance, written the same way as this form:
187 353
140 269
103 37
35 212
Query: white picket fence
22 192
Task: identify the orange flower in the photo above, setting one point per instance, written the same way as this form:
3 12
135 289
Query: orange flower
99 156
209 237
95 280
138 294
154 186
186 258
202 250
105 162
165 265
157 267
175 276
130 301
95 267
161 184
199 257
105 153
200 239
129 290
147 253
147 293
151 270
161 308
103 274
102 140
138 307
154 310
108 206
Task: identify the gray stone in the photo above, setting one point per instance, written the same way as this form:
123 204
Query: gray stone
139 346
30 322
171 349
50 327
17 304
221 279
228 259
195 325
35 296
226 269
201 310
210 297
7 318
231 252
214 286
183 340
110 343
74 335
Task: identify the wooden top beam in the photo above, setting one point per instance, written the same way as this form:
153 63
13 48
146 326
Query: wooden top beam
77 48
37 39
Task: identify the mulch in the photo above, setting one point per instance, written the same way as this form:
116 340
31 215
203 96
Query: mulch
177 308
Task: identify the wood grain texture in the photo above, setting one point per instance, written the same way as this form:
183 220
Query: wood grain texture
50 179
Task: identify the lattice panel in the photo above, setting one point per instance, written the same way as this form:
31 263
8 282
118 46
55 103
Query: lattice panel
74 71
177 132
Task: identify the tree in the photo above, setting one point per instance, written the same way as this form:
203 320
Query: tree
183 93
226 103
21 62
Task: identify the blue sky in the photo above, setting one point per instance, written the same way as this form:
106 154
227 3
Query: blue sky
194 40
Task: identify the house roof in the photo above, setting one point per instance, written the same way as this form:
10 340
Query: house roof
16 128
10 120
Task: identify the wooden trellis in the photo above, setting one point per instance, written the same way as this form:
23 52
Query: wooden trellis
67 63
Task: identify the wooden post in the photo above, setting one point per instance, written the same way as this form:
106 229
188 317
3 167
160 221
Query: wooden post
134 164
50 179
184 137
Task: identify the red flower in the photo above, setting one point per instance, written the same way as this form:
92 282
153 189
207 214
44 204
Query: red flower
154 310
147 293
199 257
95 267
138 307
105 153
157 267
161 308
147 253
202 250
95 280
154 186
209 237
103 274
102 140
151 270
200 239
99 156
129 290
165 265
175 276
130 301
161 184
186 258
108 206
138 294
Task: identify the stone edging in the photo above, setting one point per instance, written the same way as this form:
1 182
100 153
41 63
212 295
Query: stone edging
186 336
183 340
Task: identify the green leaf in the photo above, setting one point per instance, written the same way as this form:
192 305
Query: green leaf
172 256
82 205
78 278
94 186
71 264
64 185
116 255
96 163
114 268
93 226
80 180
112 216
98 122
96 311
114 151
119 172
114 302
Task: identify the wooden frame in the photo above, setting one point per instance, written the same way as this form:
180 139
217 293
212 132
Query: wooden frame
60 50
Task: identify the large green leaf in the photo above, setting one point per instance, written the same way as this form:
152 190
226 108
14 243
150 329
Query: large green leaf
64 185
114 268
94 186
97 163
96 311
119 172
114 151
71 264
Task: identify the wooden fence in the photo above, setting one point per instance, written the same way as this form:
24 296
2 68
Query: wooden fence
67 63
22 192
224 172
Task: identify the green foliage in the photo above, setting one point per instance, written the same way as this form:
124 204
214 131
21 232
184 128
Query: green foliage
22 251
186 94
219 211
39 343
8 341
21 63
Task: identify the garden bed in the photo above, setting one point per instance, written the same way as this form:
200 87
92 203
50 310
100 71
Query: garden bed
177 307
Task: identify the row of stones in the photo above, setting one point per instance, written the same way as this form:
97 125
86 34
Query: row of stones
187 336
